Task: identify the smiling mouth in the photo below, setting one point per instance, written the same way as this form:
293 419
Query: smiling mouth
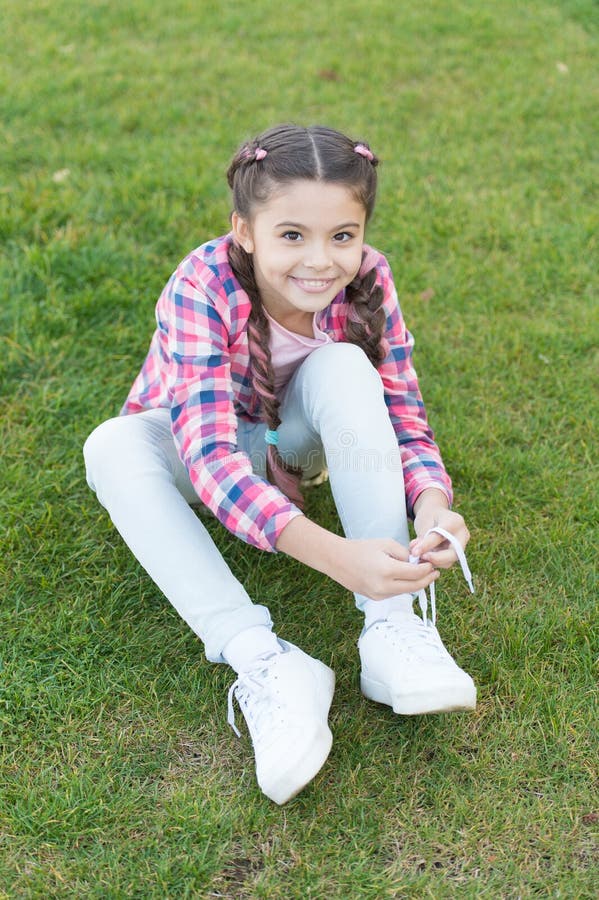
314 285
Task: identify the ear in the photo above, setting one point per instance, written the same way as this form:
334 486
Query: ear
242 232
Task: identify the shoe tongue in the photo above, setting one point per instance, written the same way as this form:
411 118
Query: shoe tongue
408 623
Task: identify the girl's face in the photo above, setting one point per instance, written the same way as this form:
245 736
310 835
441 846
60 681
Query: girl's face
306 243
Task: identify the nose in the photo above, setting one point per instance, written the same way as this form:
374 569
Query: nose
317 256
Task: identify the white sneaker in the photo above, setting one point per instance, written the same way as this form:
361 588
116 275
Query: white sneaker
285 699
315 480
405 664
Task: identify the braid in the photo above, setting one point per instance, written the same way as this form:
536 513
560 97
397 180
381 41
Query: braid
285 476
365 323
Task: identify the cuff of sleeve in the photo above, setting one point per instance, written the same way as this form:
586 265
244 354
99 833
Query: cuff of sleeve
411 500
276 525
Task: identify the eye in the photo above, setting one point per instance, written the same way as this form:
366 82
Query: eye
342 237
292 236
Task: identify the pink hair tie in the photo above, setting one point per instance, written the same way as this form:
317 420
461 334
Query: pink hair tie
362 150
260 153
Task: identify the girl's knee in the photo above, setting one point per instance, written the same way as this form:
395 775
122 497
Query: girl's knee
345 369
124 448
99 438
116 439
147 429
100 447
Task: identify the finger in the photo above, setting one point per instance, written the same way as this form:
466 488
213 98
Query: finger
441 559
411 586
395 587
412 578
420 546
397 551
416 571
435 542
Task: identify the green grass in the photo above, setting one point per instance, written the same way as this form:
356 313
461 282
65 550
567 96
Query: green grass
119 775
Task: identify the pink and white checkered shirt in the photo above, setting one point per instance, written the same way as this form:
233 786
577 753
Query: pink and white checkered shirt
198 367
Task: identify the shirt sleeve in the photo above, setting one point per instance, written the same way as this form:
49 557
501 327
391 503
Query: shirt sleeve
420 456
194 341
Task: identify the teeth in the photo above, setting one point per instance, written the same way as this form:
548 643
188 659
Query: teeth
313 282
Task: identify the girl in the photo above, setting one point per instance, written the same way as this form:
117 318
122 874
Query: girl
280 349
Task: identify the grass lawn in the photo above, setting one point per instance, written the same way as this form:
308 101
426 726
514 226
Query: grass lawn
119 776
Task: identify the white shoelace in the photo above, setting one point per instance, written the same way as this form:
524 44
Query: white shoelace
422 598
245 688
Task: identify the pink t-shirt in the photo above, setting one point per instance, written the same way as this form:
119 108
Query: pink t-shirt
288 349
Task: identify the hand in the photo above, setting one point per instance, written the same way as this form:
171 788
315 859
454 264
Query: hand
435 549
378 568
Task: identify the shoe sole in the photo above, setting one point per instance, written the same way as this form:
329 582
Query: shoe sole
449 698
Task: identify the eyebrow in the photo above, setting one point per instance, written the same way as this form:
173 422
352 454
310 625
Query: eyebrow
299 225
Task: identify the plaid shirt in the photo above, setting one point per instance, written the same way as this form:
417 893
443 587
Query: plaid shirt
198 367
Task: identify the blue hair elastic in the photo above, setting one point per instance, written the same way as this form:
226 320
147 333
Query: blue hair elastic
271 437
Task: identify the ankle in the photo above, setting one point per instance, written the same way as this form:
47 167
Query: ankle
375 610
249 645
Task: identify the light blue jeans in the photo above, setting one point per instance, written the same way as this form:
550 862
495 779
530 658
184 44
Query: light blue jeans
333 412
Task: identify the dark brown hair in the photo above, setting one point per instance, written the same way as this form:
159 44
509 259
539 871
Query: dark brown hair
315 154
